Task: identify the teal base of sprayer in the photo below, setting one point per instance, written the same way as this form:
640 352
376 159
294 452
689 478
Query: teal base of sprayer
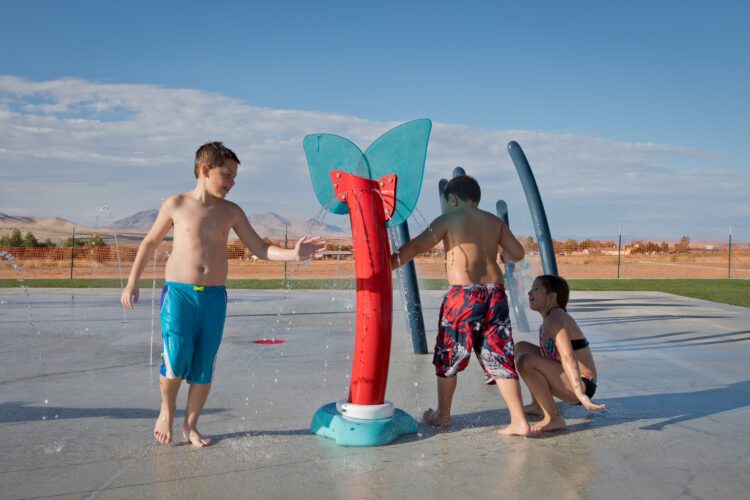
328 422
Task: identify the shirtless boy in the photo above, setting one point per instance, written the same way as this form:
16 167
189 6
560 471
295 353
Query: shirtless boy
474 314
194 300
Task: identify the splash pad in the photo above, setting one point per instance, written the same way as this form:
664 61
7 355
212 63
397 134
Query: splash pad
364 186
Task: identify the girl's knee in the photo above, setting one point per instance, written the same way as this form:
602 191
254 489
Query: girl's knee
523 346
522 362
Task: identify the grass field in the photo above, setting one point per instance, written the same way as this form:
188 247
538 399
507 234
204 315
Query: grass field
734 292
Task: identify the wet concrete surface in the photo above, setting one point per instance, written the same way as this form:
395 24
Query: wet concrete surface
78 400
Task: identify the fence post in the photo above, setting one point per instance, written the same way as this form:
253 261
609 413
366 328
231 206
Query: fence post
286 241
619 249
72 252
729 263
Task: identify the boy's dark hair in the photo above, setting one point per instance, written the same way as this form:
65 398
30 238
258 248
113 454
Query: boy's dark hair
464 187
213 154
558 285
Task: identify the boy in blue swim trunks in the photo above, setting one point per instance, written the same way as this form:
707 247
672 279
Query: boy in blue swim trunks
474 314
194 300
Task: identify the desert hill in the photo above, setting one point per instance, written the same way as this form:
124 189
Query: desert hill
131 229
268 224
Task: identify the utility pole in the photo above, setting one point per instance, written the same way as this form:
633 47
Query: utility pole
286 239
619 250
72 252
729 264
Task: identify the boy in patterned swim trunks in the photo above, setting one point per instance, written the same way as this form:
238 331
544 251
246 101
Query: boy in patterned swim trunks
474 314
194 301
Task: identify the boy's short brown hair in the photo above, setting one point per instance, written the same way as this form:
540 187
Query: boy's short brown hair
464 187
213 154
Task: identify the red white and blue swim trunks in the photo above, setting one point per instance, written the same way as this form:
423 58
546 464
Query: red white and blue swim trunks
475 317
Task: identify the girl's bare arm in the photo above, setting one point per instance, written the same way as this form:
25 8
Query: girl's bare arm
556 323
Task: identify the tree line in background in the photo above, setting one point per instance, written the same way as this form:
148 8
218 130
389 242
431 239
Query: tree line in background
14 239
588 245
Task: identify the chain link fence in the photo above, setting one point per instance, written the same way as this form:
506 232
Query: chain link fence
575 259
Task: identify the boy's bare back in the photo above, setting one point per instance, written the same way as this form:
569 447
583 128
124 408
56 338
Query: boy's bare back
471 238
472 241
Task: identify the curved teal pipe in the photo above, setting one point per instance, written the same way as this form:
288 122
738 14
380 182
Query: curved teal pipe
536 207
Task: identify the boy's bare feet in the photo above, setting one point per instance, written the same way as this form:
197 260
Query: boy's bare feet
516 429
435 419
533 409
550 424
163 427
195 437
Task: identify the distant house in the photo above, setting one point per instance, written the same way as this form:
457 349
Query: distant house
335 255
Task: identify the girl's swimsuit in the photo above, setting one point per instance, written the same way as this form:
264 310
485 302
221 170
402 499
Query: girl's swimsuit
549 351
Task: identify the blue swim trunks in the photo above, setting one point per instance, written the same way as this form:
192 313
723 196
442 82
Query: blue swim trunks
192 324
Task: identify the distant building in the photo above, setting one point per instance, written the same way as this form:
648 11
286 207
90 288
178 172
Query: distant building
335 255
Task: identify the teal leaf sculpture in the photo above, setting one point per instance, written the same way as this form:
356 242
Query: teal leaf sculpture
400 151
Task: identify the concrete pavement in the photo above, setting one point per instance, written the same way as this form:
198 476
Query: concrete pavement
78 400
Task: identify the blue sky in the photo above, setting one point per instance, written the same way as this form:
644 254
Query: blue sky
632 115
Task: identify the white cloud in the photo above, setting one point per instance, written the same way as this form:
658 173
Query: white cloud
69 146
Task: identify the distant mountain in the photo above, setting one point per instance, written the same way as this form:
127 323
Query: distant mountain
312 227
54 228
131 229
272 225
15 220
268 224
139 221
34 224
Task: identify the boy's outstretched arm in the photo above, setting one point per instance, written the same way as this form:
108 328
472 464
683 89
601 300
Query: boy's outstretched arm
303 250
513 251
427 239
148 246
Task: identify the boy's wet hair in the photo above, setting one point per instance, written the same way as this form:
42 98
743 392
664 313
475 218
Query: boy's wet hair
558 285
213 154
464 187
